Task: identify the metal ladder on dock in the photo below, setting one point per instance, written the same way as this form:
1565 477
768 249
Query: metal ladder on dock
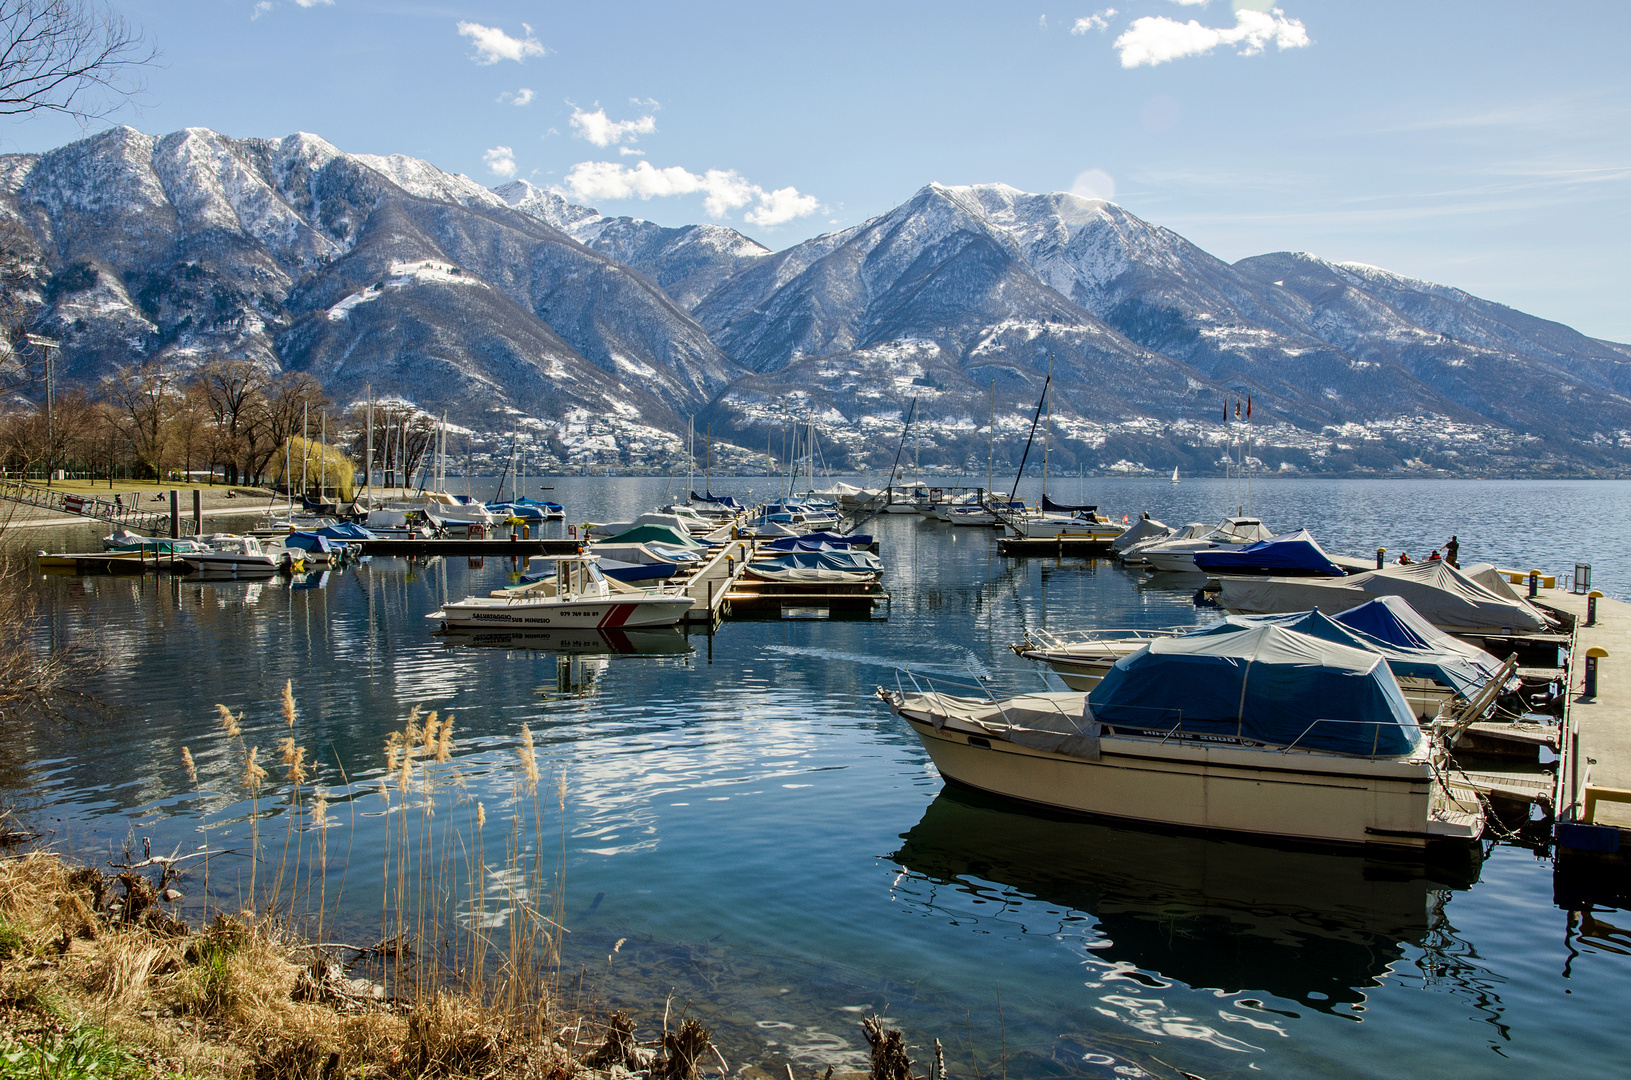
88 506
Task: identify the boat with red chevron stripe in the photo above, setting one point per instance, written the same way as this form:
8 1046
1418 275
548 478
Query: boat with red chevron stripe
577 595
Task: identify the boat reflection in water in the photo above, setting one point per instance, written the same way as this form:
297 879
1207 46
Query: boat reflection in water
1312 927
664 641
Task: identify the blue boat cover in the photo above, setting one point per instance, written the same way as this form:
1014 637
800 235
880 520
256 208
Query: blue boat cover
1051 507
1449 667
1293 553
722 500
1393 620
1265 683
800 543
852 561
346 530
308 541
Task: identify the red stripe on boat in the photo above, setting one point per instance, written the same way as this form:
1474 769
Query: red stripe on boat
617 616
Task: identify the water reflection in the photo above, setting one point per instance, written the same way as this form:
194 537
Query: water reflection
1149 909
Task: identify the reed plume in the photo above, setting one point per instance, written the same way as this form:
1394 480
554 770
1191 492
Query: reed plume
529 761
187 763
288 703
229 723
253 773
444 745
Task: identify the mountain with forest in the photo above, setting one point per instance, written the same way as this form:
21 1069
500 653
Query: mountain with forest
386 274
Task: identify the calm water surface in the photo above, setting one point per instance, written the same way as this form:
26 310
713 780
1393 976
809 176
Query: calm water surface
775 849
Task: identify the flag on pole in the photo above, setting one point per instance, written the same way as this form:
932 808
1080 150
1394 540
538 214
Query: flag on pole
1248 406
1237 408
1225 410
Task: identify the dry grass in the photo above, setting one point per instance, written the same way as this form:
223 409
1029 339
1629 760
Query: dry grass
238 998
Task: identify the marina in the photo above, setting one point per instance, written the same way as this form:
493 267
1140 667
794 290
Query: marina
736 743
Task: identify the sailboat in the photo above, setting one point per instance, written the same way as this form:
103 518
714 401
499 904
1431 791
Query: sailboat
1175 479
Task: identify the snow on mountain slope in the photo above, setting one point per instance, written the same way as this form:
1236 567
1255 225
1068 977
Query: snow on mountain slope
687 262
225 247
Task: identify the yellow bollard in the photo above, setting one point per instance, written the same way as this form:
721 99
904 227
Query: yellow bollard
1593 656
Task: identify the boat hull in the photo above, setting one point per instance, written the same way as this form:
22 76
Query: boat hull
1329 801
589 614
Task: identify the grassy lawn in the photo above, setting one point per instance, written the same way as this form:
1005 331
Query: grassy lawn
101 486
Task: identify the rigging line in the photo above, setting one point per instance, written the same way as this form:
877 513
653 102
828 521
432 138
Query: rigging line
1034 421
904 429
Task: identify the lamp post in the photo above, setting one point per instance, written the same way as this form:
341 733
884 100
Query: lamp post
47 346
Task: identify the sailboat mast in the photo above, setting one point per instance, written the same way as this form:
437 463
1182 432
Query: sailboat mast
368 449
1047 433
322 477
991 442
305 445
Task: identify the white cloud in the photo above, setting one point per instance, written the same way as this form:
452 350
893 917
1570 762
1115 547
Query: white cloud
646 103
522 96
501 160
1099 20
260 9
1191 3
314 3
781 206
493 44
598 129
723 190
1156 39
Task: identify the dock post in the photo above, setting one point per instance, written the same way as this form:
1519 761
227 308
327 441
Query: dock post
175 514
1593 655
198 512
1534 583
1381 555
1591 607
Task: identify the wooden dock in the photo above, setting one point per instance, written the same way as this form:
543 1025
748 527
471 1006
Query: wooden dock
409 546
709 587
1593 794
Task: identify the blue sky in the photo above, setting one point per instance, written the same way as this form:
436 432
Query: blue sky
1485 145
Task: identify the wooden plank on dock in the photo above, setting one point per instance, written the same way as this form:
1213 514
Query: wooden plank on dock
1597 729
709 586
461 546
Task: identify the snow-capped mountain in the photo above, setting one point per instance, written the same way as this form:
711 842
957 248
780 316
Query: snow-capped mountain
389 271
689 262
362 269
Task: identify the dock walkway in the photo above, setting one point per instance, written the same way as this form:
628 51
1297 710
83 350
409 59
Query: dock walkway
1595 774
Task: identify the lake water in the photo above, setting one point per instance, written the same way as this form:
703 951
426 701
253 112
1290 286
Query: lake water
745 827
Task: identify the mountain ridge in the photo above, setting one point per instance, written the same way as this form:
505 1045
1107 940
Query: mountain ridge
492 303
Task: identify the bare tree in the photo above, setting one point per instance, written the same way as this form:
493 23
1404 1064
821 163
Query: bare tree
144 397
67 56
235 389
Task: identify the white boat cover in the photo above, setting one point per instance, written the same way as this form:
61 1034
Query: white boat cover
1142 529
1492 579
617 528
1440 593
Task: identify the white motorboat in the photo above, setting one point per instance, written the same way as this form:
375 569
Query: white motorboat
577 595
1144 529
1178 556
1082 657
236 556
1133 554
1320 746
1446 597
446 508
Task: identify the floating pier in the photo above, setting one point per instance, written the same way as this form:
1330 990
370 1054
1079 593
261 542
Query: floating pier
1592 799
709 588
519 548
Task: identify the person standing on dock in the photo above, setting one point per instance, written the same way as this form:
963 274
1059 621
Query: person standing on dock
1452 551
